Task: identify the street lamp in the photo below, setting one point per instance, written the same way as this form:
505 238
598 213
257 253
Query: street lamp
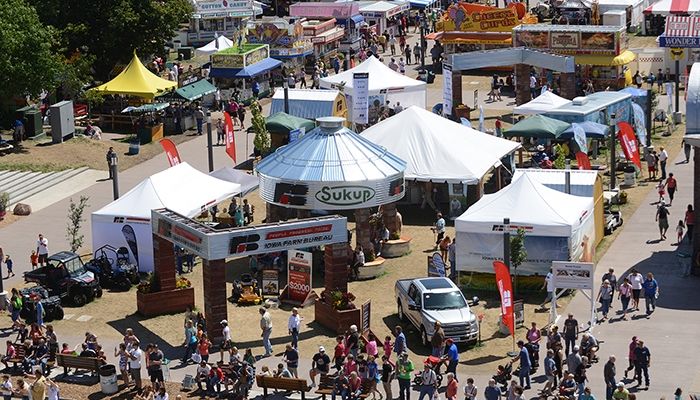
210 150
612 151
113 166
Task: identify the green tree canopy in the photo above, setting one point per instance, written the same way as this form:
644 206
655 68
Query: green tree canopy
27 63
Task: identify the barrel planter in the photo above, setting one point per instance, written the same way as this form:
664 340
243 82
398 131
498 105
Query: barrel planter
164 302
335 320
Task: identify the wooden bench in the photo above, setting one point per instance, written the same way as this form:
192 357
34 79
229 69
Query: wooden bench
70 361
289 384
327 382
20 352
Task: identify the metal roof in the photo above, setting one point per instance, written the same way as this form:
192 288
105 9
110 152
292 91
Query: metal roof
568 28
331 153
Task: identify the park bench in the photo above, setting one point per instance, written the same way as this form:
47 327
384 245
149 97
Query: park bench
287 384
20 352
327 382
70 361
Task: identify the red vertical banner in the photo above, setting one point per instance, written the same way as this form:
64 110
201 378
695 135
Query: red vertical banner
583 161
628 142
506 291
230 139
170 152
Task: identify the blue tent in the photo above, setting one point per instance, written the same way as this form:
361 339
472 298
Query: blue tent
592 129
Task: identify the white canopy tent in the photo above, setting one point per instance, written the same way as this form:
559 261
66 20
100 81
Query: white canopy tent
670 7
559 230
543 103
247 181
439 150
384 85
219 43
126 222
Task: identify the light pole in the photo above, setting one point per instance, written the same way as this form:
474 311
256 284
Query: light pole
612 151
113 165
423 22
285 86
210 150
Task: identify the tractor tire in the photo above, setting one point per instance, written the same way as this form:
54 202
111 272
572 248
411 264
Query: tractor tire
58 313
78 298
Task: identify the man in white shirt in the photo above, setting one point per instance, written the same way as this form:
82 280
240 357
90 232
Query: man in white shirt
663 157
294 325
428 382
439 228
42 250
135 355
549 284
266 328
533 86
227 343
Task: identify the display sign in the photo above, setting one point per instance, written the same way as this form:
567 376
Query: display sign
223 8
572 275
360 103
571 40
598 41
505 289
468 17
537 40
436 265
564 40
274 33
679 41
270 282
628 142
366 312
679 26
299 266
446 89
296 134
519 312
217 244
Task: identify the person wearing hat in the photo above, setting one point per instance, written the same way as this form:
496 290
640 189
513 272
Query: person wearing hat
404 368
539 156
199 116
227 343
621 393
320 365
605 298
428 382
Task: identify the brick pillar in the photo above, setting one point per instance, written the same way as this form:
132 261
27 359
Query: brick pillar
164 263
456 89
522 84
275 213
301 214
336 267
567 89
362 229
215 304
390 219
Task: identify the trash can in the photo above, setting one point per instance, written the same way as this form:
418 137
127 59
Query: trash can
33 126
108 379
630 176
134 148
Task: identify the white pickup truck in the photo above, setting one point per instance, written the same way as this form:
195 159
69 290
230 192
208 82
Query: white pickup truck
422 301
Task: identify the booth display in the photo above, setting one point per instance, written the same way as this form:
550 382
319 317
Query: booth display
547 101
601 51
281 125
286 40
126 222
346 14
217 17
325 36
384 85
311 103
235 69
384 16
562 229
596 107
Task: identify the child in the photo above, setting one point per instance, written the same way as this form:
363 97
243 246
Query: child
234 356
388 347
34 259
6 386
661 187
679 231
8 263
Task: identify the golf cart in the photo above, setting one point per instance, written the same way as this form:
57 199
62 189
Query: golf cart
113 268
65 276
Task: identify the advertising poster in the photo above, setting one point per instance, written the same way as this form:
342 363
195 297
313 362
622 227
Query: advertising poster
505 289
446 89
296 134
628 142
436 265
360 104
299 275
572 275
270 282
597 41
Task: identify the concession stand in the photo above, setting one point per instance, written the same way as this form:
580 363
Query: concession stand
217 17
286 40
346 14
600 51
325 36
236 69
383 16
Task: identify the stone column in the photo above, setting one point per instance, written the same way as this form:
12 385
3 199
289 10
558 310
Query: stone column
215 304
336 267
164 263
362 229
522 84
390 218
568 85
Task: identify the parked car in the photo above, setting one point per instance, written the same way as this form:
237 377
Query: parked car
422 301
65 276
113 268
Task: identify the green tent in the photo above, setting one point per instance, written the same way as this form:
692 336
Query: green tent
539 126
282 123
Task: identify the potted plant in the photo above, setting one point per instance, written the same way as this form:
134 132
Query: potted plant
4 202
335 310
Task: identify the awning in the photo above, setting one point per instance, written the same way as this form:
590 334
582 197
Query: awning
421 3
196 90
624 58
472 37
146 108
329 35
668 7
248 72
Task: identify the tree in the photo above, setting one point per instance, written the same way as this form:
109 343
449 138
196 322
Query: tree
518 253
27 63
262 136
106 32
75 222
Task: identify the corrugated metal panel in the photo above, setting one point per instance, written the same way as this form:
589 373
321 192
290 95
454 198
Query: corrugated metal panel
309 109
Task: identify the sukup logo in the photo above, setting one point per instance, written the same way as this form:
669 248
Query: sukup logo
344 195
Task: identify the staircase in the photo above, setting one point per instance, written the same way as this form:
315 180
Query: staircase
21 185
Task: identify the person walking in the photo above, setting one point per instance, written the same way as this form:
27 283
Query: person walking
452 387
294 325
550 372
400 345
452 356
190 343
42 250
689 220
686 150
291 358
642 362
492 392
610 277
663 159
405 368
220 132
651 292
609 377
625 294
549 285
199 116
428 383
570 332
470 390
605 298
438 340
662 214
226 343
630 355
524 358
111 154
387 377
671 186
636 279
266 328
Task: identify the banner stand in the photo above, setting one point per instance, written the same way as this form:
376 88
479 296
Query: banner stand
576 276
308 301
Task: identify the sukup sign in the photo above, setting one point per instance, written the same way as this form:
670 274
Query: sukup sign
345 195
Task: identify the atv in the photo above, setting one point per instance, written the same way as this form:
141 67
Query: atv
65 276
112 267
52 304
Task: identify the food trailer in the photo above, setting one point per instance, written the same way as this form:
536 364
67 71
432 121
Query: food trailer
286 40
235 70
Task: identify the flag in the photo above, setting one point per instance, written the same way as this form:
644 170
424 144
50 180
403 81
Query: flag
481 118
580 137
628 142
583 161
505 289
230 139
640 123
170 152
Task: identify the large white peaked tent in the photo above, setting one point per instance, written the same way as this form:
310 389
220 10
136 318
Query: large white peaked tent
437 149
219 43
557 226
383 81
126 222
543 103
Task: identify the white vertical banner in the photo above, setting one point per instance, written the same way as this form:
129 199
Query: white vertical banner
360 100
481 118
580 137
446 89
669 93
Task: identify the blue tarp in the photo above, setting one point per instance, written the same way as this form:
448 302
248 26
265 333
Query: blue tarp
633 91
247 72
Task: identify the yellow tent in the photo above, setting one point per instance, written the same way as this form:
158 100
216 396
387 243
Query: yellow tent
136 80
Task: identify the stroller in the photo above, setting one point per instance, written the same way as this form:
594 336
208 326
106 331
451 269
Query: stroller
434 363
533 351
504 373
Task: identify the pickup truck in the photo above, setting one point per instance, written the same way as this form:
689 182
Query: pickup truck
65 276
422 301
